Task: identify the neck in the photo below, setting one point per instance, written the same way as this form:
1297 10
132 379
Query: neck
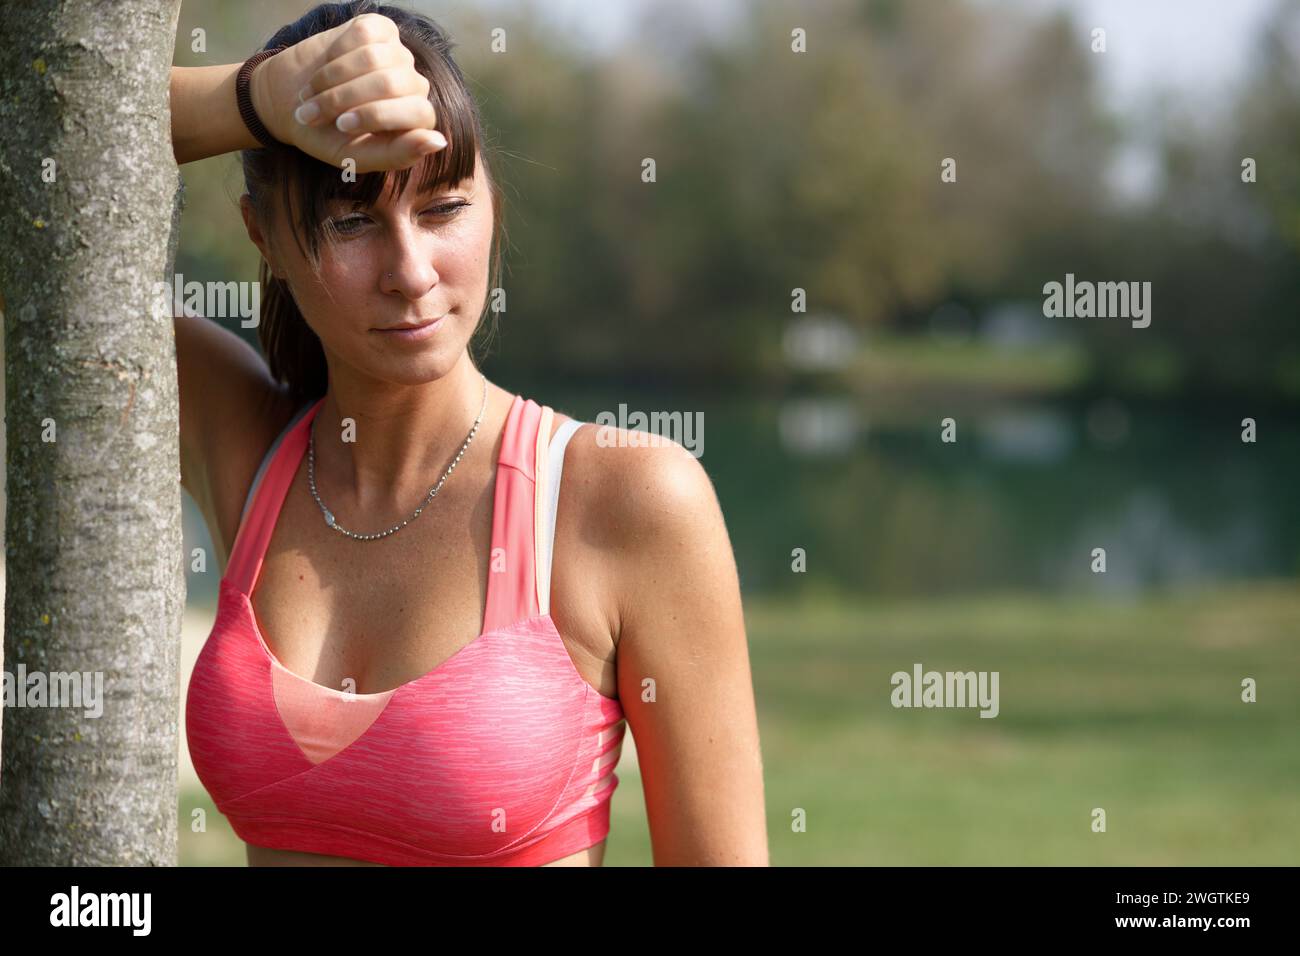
400 441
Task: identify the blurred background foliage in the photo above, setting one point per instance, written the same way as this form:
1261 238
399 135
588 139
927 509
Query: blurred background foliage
921 300
820 171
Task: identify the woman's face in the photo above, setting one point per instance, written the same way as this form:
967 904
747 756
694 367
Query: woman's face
407 259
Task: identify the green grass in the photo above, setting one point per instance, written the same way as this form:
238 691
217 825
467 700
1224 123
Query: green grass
1134 708
217 845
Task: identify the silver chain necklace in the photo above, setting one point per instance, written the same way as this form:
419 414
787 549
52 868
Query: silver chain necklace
329 515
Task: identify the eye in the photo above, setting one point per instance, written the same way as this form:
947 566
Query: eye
448 209
348 224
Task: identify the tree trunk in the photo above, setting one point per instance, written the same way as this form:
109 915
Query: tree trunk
94 577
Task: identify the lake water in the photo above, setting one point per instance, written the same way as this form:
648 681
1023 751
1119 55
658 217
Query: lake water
881 506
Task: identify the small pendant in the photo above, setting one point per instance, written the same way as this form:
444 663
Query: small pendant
329 519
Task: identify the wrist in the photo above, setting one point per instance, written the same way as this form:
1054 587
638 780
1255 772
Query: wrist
257 106
261 104
203 123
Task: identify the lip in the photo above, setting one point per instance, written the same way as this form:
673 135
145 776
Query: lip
414 334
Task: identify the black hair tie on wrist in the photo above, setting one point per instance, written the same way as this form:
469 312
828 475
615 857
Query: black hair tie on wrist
245 101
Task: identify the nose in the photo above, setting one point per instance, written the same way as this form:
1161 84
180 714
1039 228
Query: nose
409 268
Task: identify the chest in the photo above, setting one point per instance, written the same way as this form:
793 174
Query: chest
502 755
370 616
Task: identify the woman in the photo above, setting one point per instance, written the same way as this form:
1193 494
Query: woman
386 686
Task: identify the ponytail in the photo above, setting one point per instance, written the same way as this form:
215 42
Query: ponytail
292 349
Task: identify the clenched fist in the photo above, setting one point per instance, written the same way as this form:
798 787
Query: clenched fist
351 92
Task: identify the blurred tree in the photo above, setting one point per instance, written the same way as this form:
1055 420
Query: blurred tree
820 170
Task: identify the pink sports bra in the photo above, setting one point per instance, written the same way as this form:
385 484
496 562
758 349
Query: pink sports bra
503 755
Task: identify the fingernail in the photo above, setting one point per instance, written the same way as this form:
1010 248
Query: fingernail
305 93
306 113
348 121
439 141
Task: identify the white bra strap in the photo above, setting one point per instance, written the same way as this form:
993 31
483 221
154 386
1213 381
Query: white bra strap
554 467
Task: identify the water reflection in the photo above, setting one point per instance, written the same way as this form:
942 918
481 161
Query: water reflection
1107 422
1148 544
1035 436
819 426
1018 502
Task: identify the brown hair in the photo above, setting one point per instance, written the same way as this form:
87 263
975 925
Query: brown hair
293 351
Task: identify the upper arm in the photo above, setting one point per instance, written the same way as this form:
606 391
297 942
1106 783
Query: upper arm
683 660
230 410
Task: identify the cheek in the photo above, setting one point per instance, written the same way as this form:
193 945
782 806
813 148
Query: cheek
332 299
461 251
476 252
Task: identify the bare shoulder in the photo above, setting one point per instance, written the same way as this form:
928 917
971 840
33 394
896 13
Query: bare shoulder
648 510
636 483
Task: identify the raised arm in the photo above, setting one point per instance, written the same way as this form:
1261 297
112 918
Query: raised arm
358 70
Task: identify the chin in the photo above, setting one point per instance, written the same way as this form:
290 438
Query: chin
419 369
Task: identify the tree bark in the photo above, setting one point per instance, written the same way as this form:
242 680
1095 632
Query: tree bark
94 575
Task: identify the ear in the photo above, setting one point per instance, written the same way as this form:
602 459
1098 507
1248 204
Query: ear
256 234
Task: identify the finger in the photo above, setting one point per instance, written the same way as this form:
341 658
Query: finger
405 112
366 29
394 150
386 150
360 31
379 85
355 63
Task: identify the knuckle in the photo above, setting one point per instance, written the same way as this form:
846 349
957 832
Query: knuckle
366 26
391 82
372 57
382 25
